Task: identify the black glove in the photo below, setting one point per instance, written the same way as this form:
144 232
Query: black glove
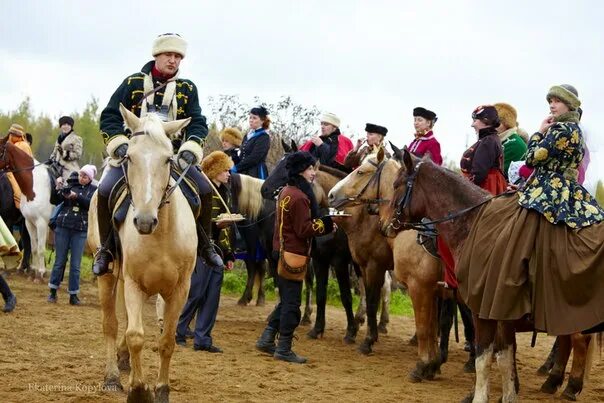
121 151
328 222
185 158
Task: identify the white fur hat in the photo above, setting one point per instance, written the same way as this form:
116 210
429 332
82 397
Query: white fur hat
330 118
169 43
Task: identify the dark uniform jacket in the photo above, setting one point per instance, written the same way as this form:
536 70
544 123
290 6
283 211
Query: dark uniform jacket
224 237
254 150
74 212
293 220
130 93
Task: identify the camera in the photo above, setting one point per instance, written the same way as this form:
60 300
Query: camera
66 190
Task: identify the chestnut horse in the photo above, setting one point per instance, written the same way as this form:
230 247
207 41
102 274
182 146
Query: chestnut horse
158 251
415 199
367 188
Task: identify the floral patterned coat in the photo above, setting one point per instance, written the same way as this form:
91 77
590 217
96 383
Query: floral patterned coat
553 189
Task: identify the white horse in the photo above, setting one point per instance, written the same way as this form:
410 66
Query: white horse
37 213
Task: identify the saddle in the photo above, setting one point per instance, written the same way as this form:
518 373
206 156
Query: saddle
119 198
54 171
427 239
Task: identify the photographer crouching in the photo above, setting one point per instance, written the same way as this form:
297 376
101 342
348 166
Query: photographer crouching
70 227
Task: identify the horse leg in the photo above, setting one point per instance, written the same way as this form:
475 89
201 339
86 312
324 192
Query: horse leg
174 305
562 348
362 309
110 327
25 264
470 335
343 277
260 273
135 337
250 266
385 294
308 306
373 286
445 322
549 362
41 234
580 367
160 306
506 361
425 312
485 340
322 275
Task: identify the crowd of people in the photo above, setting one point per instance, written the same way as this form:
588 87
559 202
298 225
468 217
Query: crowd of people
496 162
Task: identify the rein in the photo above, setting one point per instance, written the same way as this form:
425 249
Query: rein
168 189
376 177
405 203
7 165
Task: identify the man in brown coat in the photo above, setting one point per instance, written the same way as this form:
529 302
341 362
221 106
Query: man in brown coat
296 223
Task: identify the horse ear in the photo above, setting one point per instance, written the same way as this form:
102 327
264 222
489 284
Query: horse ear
408 161
398 153
131 121
285 146
294 146
173 127
380 155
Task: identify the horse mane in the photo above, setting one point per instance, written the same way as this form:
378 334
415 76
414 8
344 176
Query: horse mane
250 199
333 171
152 126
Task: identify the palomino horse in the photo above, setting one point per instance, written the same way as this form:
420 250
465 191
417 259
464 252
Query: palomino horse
330 250
15 161
367 187
158 251
413 200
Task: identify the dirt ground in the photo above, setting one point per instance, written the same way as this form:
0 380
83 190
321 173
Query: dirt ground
56 353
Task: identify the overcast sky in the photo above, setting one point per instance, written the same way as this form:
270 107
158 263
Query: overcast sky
366 61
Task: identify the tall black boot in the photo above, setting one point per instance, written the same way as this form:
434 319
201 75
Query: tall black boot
266 342
284 351
204 227
104 255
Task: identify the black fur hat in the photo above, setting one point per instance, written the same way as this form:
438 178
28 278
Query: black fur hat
488 114
371 128
424 113
260 111
298 162
66 119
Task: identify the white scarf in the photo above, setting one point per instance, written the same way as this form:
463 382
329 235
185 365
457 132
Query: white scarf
169 98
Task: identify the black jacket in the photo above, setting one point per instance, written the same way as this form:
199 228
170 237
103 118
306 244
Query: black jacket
74 212
253 155
326 152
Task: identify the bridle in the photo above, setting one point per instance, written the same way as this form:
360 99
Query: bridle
398 223
359 199
168 190
7 165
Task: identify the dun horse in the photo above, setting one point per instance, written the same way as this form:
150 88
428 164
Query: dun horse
159 245
414 199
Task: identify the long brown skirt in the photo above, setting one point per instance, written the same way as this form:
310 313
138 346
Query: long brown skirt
515 263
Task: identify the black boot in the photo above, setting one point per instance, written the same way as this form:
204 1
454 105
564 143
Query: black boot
204 227
74 300
284 351
266 342
52 297
104 254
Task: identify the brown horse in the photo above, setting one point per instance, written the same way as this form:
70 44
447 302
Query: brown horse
359 193
434 192
15 161
148 265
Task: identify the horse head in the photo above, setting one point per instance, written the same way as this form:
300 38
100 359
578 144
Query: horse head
14 160
149 157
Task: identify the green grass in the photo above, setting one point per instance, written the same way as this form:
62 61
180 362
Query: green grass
234 284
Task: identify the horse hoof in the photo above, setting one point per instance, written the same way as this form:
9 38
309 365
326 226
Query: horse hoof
551 385
242 302
305 321
469 367
349 339
415 376
365 348
140 394
382 329
469 398
162 394
543 370
260 302
360 320
113 384
567 395
315 334
123 364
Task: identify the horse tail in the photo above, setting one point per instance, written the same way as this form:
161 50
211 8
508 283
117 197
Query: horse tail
250 199
590 353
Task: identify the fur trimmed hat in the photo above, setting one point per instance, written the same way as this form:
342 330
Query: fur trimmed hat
487 114
66 119
425 113
330 118
298 162
232 135
215 163
371 128
169 43
565 93
17 130
507 115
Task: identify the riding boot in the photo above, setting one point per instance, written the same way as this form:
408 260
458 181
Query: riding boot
104 255
204 227
284 351
266 342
